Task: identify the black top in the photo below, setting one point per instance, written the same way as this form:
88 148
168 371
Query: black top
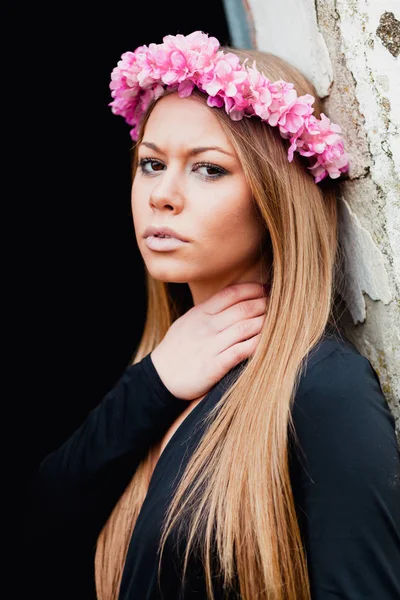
346 485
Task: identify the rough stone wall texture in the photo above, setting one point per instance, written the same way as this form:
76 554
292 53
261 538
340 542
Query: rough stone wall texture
350 51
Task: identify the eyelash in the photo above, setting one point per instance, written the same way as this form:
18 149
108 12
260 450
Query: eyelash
147 160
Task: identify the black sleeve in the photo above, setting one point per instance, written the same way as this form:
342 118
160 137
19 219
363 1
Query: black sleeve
77 485
346 482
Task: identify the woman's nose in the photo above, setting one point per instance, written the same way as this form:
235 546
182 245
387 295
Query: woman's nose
167 193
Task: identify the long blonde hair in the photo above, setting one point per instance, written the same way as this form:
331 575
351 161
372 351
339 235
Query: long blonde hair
236 490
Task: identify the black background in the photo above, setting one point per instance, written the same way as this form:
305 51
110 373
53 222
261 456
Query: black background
81 297
76 295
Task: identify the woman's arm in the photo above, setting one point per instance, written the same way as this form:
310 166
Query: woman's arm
346 482
77 485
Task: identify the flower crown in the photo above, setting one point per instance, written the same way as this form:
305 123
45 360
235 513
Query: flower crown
182 62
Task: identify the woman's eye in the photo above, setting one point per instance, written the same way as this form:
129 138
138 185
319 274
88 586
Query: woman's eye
150 165
209 171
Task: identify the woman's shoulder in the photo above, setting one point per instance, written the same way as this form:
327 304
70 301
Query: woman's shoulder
332 347
335 363
340 395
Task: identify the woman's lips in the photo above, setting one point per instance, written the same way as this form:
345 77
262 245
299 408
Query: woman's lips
163 244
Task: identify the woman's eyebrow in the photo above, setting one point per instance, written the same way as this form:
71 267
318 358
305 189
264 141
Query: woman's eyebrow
191 151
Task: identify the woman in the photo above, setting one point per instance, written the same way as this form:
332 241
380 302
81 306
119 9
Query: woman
248 452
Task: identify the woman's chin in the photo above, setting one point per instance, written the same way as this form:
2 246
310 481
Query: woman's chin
169 275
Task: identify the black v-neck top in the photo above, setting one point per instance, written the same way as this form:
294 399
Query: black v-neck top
346 484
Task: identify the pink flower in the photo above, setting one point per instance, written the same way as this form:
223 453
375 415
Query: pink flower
318 134
199 49
332 162
321 139
253 95
289 111
281 96
334 169
293 116
149 64
227 75
182 63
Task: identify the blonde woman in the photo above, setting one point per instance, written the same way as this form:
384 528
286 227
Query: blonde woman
248 451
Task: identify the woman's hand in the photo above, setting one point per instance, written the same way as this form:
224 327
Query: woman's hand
210 339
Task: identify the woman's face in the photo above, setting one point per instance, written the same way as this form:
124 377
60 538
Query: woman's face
190 180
